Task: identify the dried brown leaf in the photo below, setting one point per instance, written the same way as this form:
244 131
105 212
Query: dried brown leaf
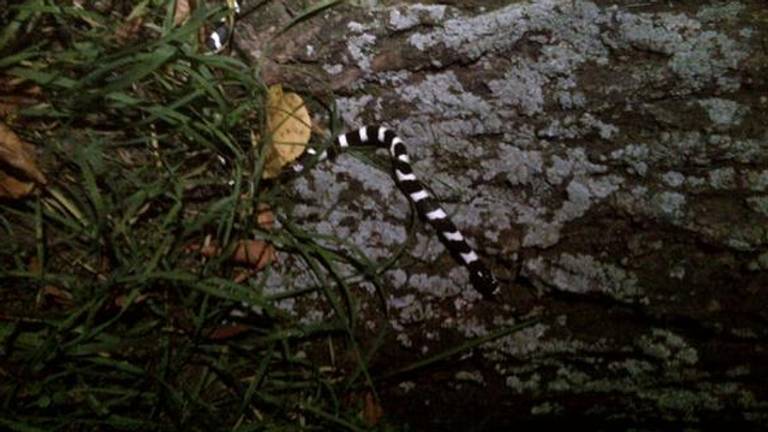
228 331
264 216
12 188
256 254
18 169
290 127
372 411
182 11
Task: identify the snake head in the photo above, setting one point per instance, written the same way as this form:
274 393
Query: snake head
484 282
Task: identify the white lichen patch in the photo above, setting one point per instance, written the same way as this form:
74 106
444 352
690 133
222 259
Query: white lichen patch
351 108
521 87
669 348
697 57
633 367
443 94
673 178
759 204
518 344
757 181
404 340
520 167
723 178
438 286
333 69
761 263
584 274
636 156
407 386
582 194
568 378
413 15
546 408
604 130
360 45
720 12
313 316
724 113
516 383
474 376
669 205
500 29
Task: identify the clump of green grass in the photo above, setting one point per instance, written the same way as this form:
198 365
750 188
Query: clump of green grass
108 321
108 318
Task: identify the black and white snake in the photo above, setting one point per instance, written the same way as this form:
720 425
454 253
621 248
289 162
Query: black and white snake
481 278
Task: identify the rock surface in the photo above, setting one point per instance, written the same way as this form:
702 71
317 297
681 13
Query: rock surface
611 163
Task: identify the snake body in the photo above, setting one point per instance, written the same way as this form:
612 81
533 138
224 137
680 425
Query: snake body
481 278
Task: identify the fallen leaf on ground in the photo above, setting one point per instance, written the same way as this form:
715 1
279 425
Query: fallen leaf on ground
289 126
12 188
228 331
182 11
256 254
372 411
264 216
18 169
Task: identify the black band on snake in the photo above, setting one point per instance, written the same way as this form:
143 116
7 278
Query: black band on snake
482 279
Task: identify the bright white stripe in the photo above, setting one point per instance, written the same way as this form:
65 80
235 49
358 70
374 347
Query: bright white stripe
363 134
404 158
469 257
298 167
455 236
323 155
436 214
343 141
216 41
395 141
312 151
382 131
420 195
403 177
237 7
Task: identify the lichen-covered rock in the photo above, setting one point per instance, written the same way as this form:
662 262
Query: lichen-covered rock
611 162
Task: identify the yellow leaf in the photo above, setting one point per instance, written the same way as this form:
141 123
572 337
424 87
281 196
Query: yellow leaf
289 126
17 180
